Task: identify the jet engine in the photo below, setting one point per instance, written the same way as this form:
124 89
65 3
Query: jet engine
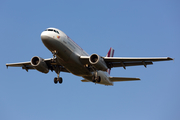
98 62
39 64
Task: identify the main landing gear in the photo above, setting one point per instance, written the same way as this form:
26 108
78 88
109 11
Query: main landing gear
57 69
96 78
57 79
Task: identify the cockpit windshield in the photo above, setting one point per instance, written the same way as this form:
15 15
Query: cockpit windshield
52 30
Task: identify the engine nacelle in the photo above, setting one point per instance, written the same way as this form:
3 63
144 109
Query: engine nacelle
39 64
98 62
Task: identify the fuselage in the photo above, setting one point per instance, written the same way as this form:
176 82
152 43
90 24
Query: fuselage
68 54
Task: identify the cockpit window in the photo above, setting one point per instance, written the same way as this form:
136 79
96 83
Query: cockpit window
56 31
52 30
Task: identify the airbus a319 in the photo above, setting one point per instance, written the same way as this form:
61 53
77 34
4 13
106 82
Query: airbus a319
71 58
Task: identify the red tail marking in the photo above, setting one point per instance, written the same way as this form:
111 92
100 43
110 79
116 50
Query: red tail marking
110 54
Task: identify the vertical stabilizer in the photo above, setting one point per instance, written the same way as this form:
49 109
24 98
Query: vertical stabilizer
110 54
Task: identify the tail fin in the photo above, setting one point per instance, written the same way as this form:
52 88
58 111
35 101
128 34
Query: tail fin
110 54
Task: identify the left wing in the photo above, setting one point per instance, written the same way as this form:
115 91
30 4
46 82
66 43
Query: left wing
127 61
27 65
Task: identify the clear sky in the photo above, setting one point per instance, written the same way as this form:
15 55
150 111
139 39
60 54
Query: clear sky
134 28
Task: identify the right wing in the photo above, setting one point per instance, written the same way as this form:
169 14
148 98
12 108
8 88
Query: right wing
27 65
127 61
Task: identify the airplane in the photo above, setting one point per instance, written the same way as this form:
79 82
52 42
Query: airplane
71 58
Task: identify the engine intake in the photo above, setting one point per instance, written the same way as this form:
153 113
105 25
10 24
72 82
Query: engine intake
98 62
39 64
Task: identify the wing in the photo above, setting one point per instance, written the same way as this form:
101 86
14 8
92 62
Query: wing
116 79
123 62
27 65
127 61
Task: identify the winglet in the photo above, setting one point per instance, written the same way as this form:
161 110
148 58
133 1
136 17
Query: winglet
6 66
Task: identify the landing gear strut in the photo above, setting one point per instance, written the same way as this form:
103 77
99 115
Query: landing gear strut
57 69
54 54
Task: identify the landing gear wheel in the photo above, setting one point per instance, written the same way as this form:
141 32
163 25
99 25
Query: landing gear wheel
60 80
98 79
55 80
93 79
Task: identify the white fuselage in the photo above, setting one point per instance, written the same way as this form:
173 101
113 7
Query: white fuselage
68 54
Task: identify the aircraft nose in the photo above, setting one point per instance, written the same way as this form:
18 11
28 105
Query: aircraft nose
46 39
44 36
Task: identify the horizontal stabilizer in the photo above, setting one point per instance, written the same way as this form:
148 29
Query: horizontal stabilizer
84 80
116 79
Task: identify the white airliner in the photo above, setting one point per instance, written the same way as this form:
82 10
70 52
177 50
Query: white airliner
69 57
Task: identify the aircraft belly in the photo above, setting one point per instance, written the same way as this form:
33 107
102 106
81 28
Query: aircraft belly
61 49
74 66
77 70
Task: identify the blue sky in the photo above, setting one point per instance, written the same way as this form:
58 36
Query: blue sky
133 28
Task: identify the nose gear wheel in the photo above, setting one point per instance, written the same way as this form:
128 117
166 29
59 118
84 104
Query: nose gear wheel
56 80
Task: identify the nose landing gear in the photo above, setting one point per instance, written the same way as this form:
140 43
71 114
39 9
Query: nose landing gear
57 69
56 80
54 53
